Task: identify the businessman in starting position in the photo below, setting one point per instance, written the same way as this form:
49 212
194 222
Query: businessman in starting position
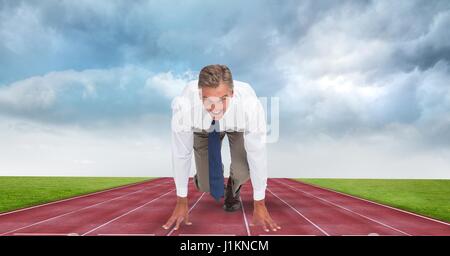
209 108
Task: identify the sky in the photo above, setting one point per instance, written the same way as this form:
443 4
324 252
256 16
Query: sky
363 86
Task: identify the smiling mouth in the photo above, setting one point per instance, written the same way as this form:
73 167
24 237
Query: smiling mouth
216 112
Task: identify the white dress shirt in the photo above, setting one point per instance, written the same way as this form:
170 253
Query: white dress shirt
244 113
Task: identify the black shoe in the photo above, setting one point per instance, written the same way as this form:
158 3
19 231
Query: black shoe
231 203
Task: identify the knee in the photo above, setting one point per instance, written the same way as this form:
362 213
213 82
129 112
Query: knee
240 171
239 164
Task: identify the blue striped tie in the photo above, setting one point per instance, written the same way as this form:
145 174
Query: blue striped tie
216 179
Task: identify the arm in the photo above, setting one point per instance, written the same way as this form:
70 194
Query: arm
257 161
182 146
255 145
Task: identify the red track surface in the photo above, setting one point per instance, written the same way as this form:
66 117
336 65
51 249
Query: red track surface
141 209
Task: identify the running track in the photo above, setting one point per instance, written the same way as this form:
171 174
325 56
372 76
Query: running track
141 209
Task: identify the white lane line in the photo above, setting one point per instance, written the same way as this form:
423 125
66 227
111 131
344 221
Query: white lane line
135 209
206 234
373 202
284 235
370 235
344 208
43 234
125 234
295 210
245 218
198 200
79 209
77 197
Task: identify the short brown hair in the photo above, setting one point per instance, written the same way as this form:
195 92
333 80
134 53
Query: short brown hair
213 75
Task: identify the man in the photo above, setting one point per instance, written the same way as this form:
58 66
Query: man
210 108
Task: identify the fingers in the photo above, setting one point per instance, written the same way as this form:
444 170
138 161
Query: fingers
278 226
274 226
179 220
186 220
265 223
169 223
265 227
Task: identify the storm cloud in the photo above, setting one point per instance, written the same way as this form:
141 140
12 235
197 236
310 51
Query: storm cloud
371 78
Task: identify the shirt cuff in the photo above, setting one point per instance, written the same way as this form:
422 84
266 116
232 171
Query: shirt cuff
182 192
259 195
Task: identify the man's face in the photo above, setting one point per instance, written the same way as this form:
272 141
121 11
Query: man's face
215 100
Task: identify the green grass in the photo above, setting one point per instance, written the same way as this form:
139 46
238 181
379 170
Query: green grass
20 192
427 197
